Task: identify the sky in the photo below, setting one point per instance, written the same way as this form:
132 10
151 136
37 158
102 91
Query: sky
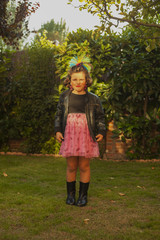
57 9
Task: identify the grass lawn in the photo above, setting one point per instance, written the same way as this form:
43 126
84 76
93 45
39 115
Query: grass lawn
123 201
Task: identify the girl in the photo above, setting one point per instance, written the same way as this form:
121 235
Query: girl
79 126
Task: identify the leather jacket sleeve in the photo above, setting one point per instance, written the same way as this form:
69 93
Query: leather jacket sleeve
100 119
58 117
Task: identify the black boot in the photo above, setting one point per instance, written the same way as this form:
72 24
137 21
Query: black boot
82 200
71 190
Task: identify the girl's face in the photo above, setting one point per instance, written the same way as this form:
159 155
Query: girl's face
78 82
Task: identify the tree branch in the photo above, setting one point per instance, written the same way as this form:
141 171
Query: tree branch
133 22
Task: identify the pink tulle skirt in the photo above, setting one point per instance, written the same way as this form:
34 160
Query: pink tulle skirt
77 138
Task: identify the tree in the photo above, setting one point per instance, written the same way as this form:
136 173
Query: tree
14 20
55 31
143 15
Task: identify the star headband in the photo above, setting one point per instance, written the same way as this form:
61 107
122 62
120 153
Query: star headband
81 61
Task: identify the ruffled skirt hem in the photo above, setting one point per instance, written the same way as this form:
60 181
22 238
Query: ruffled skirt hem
77 138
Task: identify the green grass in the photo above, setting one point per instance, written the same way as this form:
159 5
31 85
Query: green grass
32 201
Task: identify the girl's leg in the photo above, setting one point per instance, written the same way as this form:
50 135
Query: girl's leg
84 168
72 165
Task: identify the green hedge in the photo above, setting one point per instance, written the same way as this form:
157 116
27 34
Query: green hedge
33 88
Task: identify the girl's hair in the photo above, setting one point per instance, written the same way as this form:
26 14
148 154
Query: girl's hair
76 69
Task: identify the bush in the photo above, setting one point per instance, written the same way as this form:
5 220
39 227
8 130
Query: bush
36 97
51 146
29 98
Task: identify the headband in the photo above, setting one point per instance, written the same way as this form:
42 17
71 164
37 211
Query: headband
81 61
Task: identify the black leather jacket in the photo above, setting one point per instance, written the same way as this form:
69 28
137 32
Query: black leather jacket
94 114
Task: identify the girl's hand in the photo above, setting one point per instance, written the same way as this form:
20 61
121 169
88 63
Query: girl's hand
99 137
59 137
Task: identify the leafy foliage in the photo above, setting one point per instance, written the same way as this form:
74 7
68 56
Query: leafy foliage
34 91
35 96
6 97
142 15
52 146
14 20
126 77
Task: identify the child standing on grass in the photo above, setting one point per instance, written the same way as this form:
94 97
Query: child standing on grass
79 126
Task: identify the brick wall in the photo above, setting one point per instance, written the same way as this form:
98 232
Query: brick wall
15 145
115 148
110 149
